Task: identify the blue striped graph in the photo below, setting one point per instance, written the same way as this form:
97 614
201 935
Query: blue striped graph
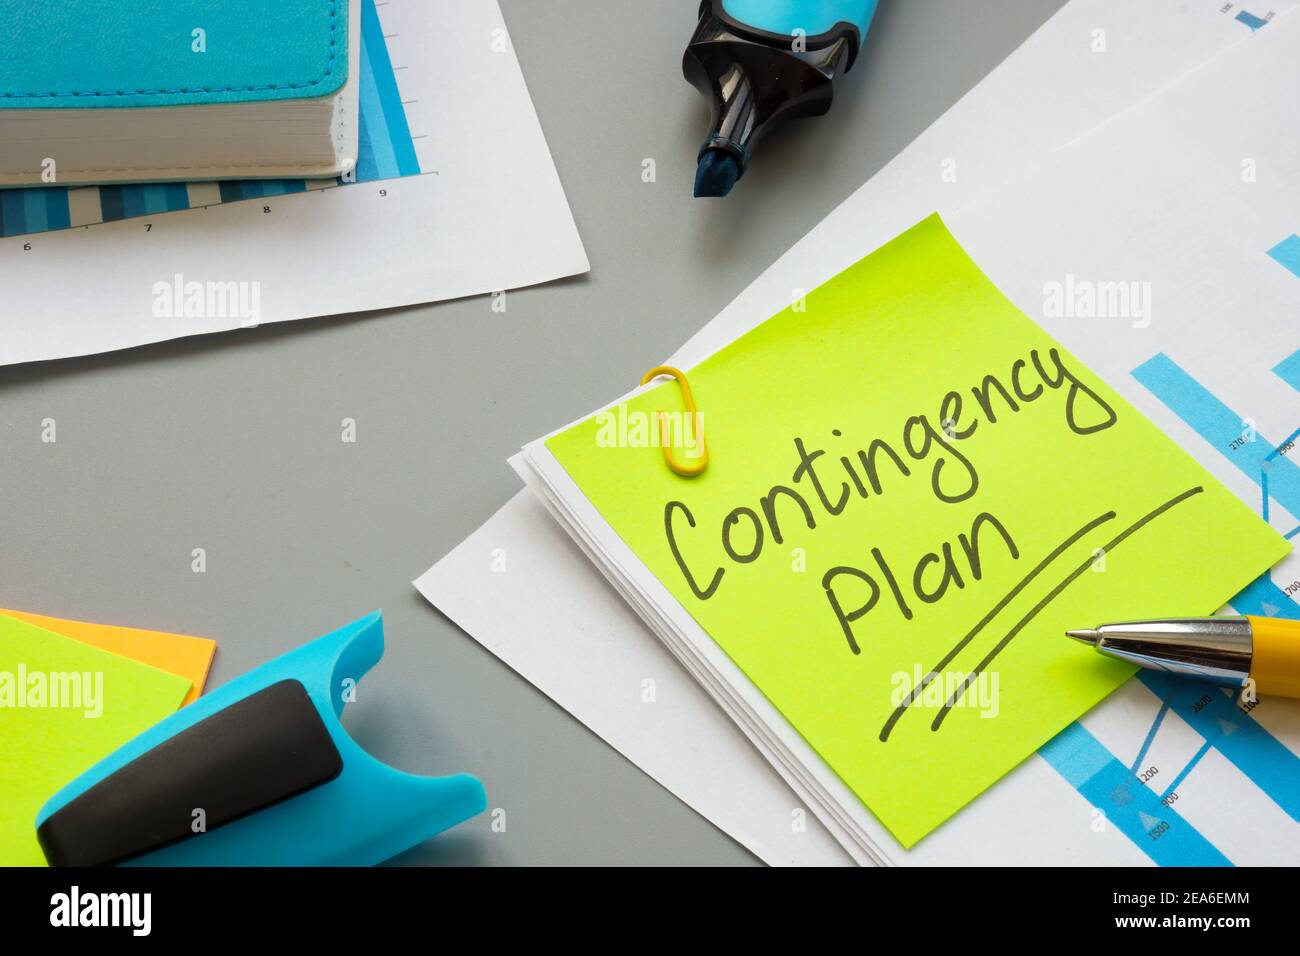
1277 476
1145 814
126 202
1288 370
1259 755
33 210
1287 254
385 151
1133 808
1252 21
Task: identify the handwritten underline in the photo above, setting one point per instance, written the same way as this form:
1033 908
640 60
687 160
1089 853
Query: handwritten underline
1037 608
997 609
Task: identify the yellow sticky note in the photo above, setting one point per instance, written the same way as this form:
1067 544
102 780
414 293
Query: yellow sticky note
64 705
909 478
182 654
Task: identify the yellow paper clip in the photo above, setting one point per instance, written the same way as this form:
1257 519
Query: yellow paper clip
696 423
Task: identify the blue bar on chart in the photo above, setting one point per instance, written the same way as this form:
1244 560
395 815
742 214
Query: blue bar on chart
385 148
235 190
1288 370
33 210
1212 713
1251 20
1263 598
143 199
1223 428
1287 254
1130 806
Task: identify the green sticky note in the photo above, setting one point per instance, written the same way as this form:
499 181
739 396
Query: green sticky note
64 706
907 477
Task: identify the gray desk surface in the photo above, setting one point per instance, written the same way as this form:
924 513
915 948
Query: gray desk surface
232 443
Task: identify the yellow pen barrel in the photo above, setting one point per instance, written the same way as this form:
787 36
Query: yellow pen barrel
1275 657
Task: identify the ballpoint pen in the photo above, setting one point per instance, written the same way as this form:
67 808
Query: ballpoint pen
1259 652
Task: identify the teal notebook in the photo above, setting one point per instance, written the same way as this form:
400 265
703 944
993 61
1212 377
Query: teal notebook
120 90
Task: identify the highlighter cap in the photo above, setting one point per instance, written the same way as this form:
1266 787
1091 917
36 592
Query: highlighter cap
259 772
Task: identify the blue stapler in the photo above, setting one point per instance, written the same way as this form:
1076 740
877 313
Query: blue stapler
260 772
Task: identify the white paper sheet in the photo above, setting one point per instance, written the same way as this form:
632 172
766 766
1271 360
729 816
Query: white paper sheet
487 213
1029 106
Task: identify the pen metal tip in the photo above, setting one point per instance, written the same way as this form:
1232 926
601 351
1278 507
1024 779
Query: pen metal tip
1089 637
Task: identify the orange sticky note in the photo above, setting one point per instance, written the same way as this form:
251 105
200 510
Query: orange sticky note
180 654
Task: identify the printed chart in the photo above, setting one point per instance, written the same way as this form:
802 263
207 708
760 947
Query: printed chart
1246 17
1234 436
1193 729
1264 462
386 150
1138 811
1139 796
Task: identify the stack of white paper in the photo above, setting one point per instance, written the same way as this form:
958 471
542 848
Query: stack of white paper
1163 193
787 752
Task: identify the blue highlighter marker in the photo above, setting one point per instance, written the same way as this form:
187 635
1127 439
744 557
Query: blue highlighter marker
761 62
260 772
